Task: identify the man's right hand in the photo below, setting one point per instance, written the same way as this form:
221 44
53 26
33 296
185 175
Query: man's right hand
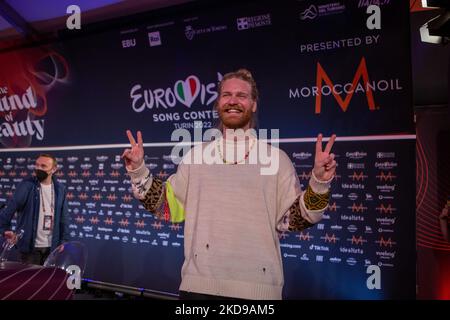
11 237
134 157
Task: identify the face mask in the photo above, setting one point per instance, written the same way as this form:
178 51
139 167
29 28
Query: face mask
41 175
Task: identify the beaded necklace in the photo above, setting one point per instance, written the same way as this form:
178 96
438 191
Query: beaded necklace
235 162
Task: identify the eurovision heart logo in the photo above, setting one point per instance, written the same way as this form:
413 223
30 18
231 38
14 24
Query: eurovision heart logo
186 91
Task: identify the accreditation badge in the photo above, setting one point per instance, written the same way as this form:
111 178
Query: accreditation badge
48 223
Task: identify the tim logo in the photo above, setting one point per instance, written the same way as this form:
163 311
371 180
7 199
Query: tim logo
330 239
79 219
305 175
385 243
386 177
162 174
175 227
303 236
359 208
333 207
357 240
94 220
140 224
357 176
157 225
108 221
124 222
283 235
383 209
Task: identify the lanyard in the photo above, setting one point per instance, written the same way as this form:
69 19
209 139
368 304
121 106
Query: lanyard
52 204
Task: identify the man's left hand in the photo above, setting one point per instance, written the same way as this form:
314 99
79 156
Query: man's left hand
324 163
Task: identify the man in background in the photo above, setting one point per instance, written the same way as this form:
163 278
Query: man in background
41 206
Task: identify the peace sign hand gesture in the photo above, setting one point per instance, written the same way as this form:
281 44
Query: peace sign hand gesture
324 163
135 156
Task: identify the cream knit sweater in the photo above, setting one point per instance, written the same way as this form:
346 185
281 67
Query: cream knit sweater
234 215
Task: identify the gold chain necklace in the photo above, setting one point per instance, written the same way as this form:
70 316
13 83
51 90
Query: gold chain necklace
235 162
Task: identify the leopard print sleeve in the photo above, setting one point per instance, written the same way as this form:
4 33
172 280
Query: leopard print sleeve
315 201
153 200
296 220
312 201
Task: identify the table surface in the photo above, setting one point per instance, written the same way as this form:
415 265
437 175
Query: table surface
19 281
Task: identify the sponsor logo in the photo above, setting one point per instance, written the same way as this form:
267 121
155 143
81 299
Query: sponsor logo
318 248
304 257
128 43
386 177
357 208
385 209
386 188
356 155
335 260
386 221
351 261
333 207
168 166
366 3
386 242
352 186
353 196
154 38
357 240
305 175
367 87
330 239
336 227
387 165
386 255
245 23
385 155
190 32
304 237
351 250
381 230
101 158
301 155
351 165
315 11
352 217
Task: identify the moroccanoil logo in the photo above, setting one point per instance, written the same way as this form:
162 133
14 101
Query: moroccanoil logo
344 92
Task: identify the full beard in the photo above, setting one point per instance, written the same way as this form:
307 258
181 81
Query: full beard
240 120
